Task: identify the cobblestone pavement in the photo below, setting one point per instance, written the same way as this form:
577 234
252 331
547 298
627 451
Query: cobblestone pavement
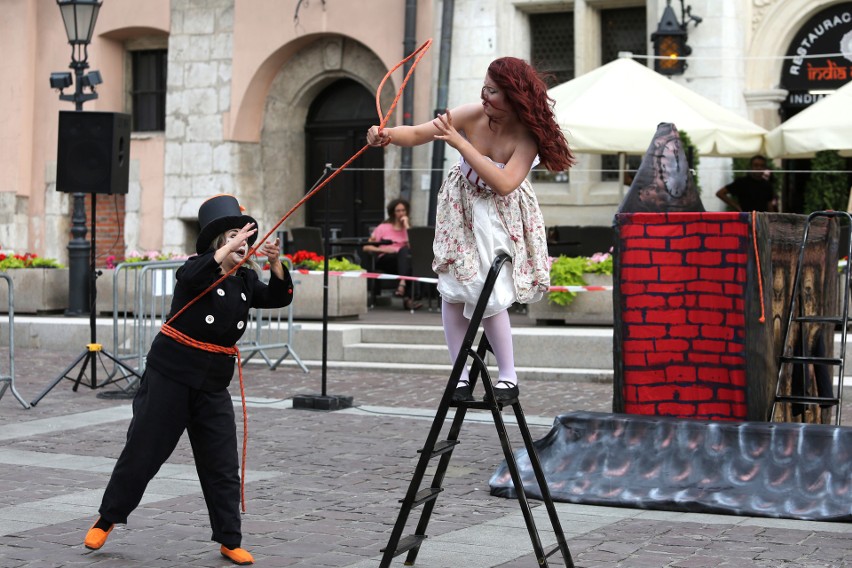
323 487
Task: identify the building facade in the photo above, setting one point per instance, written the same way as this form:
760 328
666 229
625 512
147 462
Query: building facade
257 97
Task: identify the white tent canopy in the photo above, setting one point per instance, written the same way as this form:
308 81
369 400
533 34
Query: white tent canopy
825 125
616 109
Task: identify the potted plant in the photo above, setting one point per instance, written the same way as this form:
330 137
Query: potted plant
347 297
587 307
39 284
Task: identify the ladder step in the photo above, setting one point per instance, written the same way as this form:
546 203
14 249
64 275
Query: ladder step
815 360
407 543
441 447
821 319
424 495
828 401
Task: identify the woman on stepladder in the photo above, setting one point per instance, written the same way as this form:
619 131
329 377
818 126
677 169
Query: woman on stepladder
486 206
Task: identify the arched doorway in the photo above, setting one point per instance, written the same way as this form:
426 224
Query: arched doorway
335 129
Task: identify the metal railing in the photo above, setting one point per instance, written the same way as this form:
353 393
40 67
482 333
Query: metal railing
8 381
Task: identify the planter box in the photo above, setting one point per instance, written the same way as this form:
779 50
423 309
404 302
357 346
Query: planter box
347 297
588 308
36 290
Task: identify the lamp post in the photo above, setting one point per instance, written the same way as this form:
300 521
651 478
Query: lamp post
79 17
670 40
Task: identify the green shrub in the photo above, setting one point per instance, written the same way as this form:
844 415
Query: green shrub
569 271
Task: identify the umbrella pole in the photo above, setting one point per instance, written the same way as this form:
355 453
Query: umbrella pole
622 166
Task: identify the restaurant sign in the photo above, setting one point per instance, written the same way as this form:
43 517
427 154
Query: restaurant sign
820 56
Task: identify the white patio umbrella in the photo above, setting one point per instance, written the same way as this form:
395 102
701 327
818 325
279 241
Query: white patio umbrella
616 108
825 125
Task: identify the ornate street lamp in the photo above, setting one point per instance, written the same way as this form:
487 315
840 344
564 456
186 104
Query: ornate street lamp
79 17
670 40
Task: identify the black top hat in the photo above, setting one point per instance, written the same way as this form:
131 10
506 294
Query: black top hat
218 214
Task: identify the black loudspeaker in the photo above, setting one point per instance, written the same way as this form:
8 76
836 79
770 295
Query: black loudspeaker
94 152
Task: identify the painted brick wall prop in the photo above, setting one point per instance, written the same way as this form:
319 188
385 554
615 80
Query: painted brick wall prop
687 335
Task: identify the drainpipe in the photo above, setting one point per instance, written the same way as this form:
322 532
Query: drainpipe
441 105
408 47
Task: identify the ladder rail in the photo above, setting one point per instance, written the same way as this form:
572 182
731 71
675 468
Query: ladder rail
839 362
415 496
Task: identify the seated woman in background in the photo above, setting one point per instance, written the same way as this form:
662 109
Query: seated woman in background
394 258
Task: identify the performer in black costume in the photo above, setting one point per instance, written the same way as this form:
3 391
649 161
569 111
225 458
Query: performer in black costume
185 387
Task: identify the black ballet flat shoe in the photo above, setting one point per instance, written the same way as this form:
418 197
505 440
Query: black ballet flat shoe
504 395
463 393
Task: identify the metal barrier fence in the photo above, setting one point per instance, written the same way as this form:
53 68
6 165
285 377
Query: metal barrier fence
8 381
142 296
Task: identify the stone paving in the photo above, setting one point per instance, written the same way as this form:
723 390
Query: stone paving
323 487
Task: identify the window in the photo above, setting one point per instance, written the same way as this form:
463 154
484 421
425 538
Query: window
148 90
622 29
552 38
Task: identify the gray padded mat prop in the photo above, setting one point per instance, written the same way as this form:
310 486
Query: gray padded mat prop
783 470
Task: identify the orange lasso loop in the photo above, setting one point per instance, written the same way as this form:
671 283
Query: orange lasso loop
168 330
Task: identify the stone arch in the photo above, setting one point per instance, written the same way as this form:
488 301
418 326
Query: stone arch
299 80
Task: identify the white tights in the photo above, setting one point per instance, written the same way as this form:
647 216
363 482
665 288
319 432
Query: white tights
498 330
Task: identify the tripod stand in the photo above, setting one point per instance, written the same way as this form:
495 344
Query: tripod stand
94 352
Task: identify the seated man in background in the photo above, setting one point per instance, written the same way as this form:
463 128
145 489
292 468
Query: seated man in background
753 191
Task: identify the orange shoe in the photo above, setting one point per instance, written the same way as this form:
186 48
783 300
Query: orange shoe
96 537
237 555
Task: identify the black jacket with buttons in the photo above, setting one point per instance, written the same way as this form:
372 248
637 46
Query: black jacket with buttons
219 317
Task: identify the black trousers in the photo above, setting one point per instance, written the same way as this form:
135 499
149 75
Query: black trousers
395 262
162 410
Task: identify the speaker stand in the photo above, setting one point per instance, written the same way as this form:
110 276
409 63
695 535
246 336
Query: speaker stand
94 354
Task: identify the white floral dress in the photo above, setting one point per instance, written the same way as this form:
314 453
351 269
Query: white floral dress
473 226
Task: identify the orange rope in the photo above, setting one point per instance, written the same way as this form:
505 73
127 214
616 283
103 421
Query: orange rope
168 330
757 263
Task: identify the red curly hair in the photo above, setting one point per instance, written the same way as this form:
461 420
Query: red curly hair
527 93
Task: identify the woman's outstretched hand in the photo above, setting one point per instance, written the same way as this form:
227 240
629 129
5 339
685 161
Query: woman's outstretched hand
378 137
448 133
272 251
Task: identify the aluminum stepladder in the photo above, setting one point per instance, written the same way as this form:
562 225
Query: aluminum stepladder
801 320
433 448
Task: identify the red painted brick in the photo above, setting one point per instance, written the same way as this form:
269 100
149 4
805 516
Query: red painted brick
734 319
732 361
741 275
635 274
655 244
641 409
740 412
695 393
657 393
735 229
722 243
672 345
673 258
688 331
717 332
732 289
646 331
715 409
633 316
631 231
672 317
738 377
680 373
735 347
632 288
705 287
643 377
736 258
630 394
718 274
676 409
640 257
666 230
675 301
643 302
706 317
731 395
635 359
704 358
678 274
687 243
714 375
663 357
667 288
715 302
634 345
704 258
704 228
710 346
